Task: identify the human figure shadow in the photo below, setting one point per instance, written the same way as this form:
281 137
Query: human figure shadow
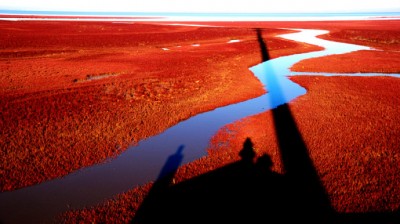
248 191
244 191
160 186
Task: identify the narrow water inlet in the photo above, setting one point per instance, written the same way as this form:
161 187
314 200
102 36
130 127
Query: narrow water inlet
142 163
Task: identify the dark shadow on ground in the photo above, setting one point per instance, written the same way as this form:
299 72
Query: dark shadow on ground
248 191
300 171
298 166
245 191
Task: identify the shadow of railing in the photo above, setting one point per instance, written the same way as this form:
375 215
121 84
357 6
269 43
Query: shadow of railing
248 190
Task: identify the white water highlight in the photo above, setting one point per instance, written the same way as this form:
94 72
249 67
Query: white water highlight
142 163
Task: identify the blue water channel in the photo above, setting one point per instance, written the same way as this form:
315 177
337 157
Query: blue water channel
142 163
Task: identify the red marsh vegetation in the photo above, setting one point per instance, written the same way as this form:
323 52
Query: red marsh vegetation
73 94
382 36
356 62
350 126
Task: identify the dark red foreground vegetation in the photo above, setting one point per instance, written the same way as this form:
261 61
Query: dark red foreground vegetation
73 94
76 93
349 126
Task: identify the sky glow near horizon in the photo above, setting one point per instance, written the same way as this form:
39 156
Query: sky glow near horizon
205 6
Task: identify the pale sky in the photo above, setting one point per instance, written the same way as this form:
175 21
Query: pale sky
236 6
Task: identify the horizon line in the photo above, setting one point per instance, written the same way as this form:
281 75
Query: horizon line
178 13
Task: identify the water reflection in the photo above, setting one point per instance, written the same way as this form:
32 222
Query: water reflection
141 163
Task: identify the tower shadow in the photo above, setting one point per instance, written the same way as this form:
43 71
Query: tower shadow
308 191
248 191
299 169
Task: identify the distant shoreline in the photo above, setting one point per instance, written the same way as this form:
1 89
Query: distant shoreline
76 94
158 16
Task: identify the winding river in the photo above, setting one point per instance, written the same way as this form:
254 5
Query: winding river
142 163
